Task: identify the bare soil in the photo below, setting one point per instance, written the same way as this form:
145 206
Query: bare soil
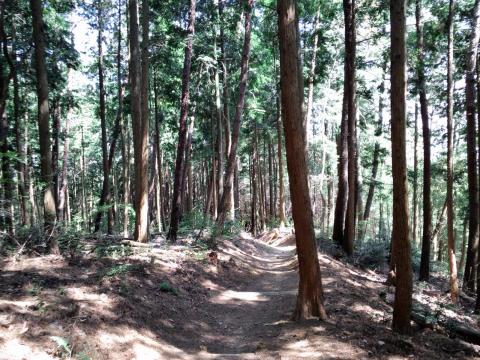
182 302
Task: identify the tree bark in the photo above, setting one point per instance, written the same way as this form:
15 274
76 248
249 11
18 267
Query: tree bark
139 102
159 174
401 250
310 292
182 130
43 126
424 274
350 51
342 194
469 277
105 196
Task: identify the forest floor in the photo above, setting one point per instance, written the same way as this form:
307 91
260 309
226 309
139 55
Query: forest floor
161 301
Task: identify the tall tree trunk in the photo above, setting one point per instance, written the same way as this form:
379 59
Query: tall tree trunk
226 97
105 198
401 250
424 274
159 174
139 102
350 51
5 78
123 131
182 130
141 232
469 277
43 126
342 194
310 292
232 157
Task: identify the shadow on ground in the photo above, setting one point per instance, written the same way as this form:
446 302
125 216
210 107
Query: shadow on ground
169 302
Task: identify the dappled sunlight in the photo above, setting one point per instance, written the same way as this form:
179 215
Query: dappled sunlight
15 349
247 296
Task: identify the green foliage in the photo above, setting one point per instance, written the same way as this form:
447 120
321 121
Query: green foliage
232 227
121 270
166 287
35 289
372 254
194 220
83 356
70 240
63 344
113 251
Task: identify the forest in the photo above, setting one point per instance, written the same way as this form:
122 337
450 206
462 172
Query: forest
239 179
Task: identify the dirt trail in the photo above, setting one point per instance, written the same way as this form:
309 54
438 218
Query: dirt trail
257 309
171 302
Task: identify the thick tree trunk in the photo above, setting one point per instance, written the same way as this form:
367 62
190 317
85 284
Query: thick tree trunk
401 250
232 157
350 50
469 277
43 126
139 105
424 274
225 97
310 292
182 130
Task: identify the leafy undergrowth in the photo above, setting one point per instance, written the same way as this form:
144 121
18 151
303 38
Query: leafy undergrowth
127 301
